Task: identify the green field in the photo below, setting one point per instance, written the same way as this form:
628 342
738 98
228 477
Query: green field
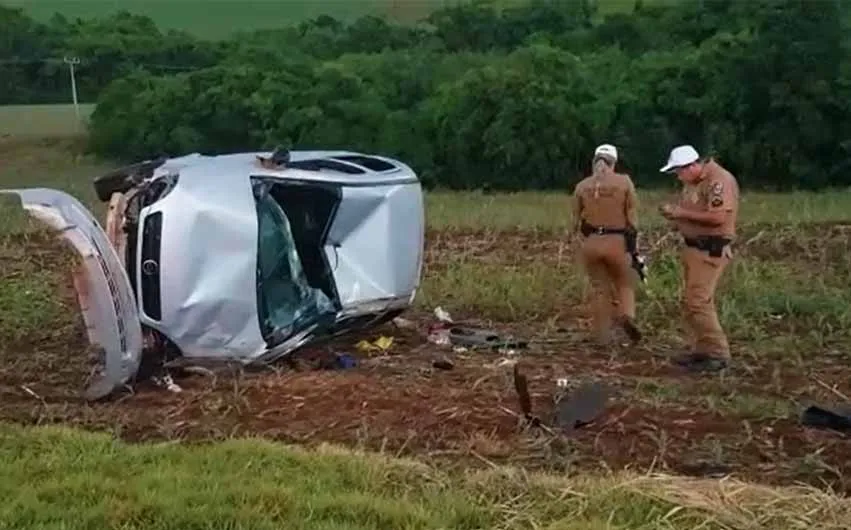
43 120
503 261
219 18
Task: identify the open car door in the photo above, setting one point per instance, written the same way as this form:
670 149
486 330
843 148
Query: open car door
103 289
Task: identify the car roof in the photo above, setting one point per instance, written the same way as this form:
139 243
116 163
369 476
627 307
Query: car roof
349 168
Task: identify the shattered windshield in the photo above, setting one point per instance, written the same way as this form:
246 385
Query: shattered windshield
286 302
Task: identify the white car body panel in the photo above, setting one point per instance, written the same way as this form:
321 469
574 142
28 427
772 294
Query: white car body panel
107 304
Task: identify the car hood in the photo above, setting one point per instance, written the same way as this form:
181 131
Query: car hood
105 294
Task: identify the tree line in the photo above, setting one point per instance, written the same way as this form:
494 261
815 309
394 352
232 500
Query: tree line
473 97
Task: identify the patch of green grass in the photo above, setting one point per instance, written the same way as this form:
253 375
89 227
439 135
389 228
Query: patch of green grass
757 299
724 397
37 121
550 211
27 302
67 478
54 163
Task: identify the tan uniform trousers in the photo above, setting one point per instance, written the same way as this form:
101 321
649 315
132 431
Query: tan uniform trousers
609 268
701 273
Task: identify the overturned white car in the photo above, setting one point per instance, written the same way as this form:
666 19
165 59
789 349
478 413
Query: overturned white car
243 257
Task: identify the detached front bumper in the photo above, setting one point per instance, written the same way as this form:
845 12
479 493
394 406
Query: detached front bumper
103 288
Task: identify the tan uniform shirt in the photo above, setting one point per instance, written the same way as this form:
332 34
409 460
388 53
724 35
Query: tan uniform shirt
608 201
716 190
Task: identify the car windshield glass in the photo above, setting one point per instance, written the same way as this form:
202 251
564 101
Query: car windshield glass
287 303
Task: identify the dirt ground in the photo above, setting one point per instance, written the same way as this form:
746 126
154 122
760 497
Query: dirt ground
745 423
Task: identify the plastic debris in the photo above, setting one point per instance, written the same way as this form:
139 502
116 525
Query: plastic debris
344 361
381 345
403 323
442 315
439 336
836 418
483 338
582 407
167 382
443 364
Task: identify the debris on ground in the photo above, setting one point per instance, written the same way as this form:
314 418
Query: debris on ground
572 411
166 381
379 345
404 323
443 364
521 386
833 418
442 315
439 335
582 407
345 361
483 338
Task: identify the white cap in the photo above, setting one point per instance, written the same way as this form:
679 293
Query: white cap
607 150
680 156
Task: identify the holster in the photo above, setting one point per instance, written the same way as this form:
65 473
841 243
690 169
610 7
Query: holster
631 237
712 245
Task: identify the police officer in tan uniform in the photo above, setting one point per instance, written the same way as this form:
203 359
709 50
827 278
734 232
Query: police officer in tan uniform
604 209
706 218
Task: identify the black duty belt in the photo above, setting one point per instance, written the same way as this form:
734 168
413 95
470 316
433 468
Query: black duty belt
713 245
588 230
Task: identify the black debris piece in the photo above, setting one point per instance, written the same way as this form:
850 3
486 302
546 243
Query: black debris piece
834 418
582 407
443 364
521 386
478 338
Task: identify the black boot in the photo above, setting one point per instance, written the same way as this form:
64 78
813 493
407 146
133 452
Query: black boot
631 329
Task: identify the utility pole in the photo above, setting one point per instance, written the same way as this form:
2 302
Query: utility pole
71 62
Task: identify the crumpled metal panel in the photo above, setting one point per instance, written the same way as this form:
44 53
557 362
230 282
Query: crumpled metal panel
376 243
208 265
108 304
